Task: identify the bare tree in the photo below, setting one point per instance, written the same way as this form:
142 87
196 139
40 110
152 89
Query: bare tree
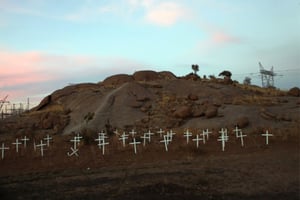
195 68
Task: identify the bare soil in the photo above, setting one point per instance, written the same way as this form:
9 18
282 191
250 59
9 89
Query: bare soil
255 171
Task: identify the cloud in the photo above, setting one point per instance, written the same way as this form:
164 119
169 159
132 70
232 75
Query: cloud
165 13
37 73
223 38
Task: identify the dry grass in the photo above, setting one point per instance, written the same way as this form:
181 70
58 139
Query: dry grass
262 91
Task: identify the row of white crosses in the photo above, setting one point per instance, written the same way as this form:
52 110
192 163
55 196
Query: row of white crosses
204 136
167 139
25 139
145 137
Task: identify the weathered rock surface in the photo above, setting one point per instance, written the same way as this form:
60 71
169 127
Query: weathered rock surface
155 99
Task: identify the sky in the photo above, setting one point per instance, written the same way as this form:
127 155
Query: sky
46 45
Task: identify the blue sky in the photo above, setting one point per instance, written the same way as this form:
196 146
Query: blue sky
47 44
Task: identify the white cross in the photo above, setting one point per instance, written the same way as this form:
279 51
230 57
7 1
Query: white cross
224 132
41 145
203 137
206 133
17 143
197 139
223 138
166 140
187 134
134 143
48 138
132 133
160 132
74 152
25 139
241 136
101 138
267 135
102 144
3 148
116 132
78 137
146 137
75 140
237 131
124 137
102 133
149 133
171 133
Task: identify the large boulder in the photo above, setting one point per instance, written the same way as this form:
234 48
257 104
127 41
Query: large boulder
118 79
145 75
167 75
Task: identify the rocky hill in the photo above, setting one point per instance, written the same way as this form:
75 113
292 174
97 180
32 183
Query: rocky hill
155 100
149 99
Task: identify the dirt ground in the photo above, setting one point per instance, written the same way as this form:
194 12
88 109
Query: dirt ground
255 171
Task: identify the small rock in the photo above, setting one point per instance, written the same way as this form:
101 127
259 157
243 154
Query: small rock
183 112
193 97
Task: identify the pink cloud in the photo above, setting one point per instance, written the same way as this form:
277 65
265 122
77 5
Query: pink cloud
21 68
223 38
165 13
38 73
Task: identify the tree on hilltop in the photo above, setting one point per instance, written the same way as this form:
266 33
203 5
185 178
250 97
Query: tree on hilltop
195 68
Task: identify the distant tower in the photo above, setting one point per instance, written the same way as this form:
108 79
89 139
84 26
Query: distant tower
267 76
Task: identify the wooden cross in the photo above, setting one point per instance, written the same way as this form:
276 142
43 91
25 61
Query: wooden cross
3 148
146 137
206 133
48 138
75 140
116 132
17 143
132 133
102 145
166 140
223 138
101 138
237 131
78 137
171 133
149 133
25 139
74 152
160 132
197 139
267 135
41 145
124 137
134 143
102 133
203 134
187 134
241 136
